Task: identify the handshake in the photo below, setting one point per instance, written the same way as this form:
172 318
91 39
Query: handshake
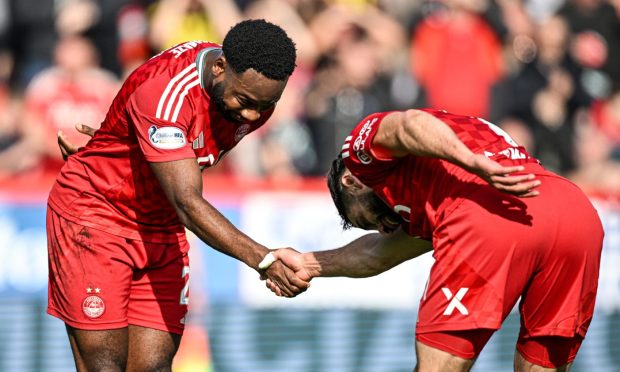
288 272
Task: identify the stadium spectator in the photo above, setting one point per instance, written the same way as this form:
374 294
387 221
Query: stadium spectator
545 95
426 175
605 114
176 21
133 45
73 90
118 211
597 149
594 26
457 57
356 77
31 37
101 22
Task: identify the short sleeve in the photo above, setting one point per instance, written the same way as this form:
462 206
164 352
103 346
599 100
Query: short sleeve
367 162
160 140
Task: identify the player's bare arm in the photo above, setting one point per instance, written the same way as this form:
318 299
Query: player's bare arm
419 133
181 180
367 256
66 147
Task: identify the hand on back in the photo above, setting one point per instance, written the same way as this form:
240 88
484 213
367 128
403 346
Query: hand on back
502 178
66 147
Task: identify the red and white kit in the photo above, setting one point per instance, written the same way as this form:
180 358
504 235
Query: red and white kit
110 197
490 248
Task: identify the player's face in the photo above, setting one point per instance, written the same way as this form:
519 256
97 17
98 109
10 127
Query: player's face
371 213
243 98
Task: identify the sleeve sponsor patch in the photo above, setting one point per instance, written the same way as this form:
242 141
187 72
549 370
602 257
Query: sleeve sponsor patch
361 144
166 138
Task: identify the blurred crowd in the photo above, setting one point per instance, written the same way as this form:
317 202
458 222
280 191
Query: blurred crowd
546 71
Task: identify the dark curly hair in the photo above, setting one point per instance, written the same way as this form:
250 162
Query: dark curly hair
262 46
339 195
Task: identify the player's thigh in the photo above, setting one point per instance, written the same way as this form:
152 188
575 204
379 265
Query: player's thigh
557 307
482 264
151 349
99 350
90 276
160 291
450 350
545 354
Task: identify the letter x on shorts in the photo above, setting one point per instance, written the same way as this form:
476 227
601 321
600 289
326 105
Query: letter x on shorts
494 248
100 281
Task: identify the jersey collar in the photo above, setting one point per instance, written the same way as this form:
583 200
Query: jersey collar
200 63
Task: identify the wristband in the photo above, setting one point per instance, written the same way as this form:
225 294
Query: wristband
267 261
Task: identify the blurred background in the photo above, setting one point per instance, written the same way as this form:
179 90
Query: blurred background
546 71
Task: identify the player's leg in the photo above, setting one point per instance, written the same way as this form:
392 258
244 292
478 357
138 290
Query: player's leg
99 350
89 283
431 359
157 305
482 263
523 365
450 350
558 304
151 349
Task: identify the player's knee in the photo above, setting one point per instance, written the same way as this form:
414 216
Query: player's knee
548 351
450 350
465 344
99 350
105 361
151 364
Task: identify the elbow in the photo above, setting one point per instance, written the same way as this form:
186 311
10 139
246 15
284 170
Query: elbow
185 205
413 123
183 212
413 116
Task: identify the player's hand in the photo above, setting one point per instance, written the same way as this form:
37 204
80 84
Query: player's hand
284 281
501 178
294 261
66 147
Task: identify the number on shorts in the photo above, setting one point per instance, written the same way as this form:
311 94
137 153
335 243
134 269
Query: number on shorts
185 291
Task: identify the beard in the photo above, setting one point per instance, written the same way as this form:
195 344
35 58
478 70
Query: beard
379 208
217 97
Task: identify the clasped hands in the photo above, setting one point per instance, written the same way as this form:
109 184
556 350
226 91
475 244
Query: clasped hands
290 274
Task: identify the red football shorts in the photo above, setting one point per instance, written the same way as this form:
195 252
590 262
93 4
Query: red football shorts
494 248
100 281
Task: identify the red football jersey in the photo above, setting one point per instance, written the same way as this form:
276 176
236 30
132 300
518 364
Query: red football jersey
421 189
162 113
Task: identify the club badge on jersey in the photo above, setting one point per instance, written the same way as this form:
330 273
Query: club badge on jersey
93 305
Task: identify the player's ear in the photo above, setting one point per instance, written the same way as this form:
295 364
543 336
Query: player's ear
219 66
351 182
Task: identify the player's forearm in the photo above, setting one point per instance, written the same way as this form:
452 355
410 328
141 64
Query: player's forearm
204 220
366 256
181 180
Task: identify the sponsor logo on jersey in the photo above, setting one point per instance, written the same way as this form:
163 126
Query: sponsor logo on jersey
166 138
359 145
241 132
93 307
